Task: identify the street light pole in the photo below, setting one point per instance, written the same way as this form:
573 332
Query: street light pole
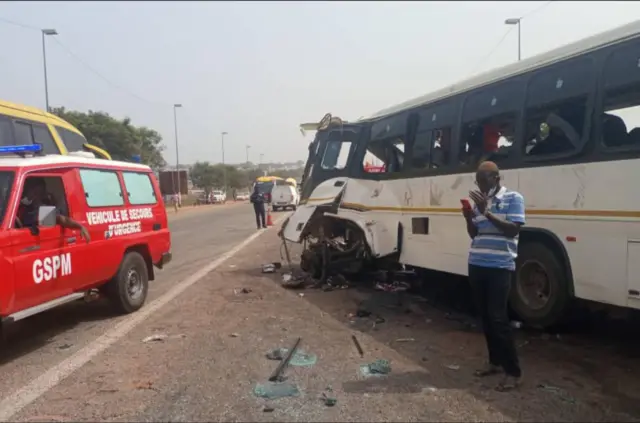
175 124
46 32
224 168
248 147
516 21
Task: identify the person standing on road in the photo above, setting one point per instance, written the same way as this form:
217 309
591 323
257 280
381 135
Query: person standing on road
493 225
257 199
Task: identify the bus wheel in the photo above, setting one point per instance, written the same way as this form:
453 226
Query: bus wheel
128 289
540 292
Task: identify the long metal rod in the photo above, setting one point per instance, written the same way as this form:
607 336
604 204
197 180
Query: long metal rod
224 168
175 124
519 40
276 376
44 62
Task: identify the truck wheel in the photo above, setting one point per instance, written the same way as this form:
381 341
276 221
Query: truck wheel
128 289
540 292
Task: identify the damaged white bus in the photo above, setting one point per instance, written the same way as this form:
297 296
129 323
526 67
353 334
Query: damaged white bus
564 127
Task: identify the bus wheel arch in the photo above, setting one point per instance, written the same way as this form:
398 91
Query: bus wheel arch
542 290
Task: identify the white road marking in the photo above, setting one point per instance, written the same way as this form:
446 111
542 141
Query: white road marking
24 396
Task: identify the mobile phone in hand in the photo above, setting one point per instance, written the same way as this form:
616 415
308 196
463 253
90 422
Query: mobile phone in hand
466 205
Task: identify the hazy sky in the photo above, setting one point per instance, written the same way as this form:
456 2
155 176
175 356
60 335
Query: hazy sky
257 70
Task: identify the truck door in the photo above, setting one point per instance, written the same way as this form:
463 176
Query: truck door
42 260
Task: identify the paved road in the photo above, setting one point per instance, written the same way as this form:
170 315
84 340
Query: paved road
37 344
215 339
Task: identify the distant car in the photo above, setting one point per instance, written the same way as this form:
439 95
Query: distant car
284 197
202 199
218 197
242 196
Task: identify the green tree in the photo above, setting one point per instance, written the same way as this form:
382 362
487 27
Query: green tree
119 137
205 176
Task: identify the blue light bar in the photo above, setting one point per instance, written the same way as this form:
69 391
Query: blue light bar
27 148
136 158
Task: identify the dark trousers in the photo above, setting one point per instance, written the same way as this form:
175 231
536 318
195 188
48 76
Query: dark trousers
490 289
258 209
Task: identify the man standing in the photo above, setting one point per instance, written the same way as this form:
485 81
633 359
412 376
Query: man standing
257 199
493 225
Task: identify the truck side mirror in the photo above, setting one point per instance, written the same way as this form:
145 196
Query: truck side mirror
47 216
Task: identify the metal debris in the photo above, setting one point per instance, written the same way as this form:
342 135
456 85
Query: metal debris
405 340
158 337
278 372
453 367
358 346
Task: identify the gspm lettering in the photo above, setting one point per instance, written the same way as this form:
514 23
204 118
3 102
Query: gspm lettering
51 267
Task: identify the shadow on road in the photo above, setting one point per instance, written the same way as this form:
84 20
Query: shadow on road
585 373
33 333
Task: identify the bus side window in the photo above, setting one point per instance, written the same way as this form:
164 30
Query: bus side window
555 128
621 118
440 148
336 155
556 108
487 139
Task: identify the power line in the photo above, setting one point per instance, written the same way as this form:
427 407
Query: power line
484 59
101 76
537 9
504 37
21 25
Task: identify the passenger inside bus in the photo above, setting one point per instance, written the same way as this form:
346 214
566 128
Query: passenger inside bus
441 148
559 130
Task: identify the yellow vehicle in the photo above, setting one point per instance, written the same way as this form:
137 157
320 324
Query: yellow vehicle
20 125
292 182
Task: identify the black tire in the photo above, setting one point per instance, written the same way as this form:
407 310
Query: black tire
294 208
118 289
549 313
275 209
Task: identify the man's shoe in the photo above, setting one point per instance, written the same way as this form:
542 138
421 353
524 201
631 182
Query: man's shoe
508 383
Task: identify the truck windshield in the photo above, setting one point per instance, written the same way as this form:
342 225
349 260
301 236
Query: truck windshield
6 183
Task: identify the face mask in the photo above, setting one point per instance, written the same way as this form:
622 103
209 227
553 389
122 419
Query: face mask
26 201
493 191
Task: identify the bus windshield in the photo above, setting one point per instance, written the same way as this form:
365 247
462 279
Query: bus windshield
6 183
264 187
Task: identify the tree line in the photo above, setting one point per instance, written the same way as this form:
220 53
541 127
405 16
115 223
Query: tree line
117 136
123 141
209 176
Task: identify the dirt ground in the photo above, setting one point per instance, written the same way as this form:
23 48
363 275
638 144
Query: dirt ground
213 355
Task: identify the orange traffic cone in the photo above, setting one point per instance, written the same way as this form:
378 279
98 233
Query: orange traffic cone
269 221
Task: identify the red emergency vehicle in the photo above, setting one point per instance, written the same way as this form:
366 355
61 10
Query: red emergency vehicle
50 204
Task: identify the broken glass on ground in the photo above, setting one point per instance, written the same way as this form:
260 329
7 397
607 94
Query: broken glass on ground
274 390
300 357
376 368
268 268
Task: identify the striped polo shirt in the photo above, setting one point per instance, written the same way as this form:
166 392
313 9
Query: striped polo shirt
490 247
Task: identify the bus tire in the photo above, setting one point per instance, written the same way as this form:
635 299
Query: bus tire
128 289
294 208
540 293
275 209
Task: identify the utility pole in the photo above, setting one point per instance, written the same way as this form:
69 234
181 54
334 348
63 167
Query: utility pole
224 168
46 32
175 125
516 21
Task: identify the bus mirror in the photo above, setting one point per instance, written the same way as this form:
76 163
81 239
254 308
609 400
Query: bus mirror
47 216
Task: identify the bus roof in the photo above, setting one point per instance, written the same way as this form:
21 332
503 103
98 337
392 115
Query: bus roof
567 51
267 178
36 114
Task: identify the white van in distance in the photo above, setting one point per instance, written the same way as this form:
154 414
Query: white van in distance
284 197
